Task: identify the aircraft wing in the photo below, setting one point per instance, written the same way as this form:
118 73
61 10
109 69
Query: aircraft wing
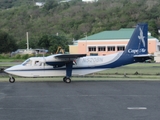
63 59
70 56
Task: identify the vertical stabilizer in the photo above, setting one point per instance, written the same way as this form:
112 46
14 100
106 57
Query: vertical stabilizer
138 43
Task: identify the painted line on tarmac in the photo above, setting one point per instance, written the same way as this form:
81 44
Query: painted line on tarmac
137 108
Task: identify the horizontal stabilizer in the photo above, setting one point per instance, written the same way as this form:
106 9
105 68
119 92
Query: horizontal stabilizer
143 55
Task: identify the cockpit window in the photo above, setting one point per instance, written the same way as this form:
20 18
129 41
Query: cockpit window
28 62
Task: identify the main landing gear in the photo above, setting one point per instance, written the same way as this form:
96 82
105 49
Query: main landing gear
68 72
66 79
11 79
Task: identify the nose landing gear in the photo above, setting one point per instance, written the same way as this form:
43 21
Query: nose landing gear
11 79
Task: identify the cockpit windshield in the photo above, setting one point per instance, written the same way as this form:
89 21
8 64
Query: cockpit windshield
28 62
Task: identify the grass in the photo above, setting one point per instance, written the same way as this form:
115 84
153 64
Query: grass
59 79
141 68
11 60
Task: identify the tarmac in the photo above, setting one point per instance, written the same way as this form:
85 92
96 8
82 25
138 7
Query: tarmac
80 100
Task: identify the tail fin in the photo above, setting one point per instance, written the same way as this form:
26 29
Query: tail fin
138 44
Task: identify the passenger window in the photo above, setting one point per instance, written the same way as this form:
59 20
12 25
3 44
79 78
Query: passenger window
37 63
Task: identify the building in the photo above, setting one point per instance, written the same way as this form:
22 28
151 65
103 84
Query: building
157 53
39 4
64 1
108 42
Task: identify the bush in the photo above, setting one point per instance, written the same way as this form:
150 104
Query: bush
1 56
25 56
18 56
4 56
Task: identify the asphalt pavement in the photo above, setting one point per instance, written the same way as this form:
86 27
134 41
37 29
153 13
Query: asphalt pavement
105 100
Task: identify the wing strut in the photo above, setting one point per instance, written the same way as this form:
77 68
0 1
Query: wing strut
69 69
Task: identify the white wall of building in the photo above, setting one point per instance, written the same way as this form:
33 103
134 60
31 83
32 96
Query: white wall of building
89 1
40 4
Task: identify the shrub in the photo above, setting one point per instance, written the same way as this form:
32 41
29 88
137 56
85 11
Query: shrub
25 56
18 56
4 56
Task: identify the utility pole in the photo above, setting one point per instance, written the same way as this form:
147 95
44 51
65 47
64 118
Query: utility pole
27 41
86 41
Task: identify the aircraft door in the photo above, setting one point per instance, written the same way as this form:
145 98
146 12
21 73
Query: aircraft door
44 65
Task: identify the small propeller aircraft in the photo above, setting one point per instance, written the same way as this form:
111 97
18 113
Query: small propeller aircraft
68 65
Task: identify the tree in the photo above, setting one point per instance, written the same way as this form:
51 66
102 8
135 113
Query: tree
7 43
153 28
50 5
74 18
44 42
51 42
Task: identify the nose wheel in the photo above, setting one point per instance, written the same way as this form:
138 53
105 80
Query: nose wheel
67 80
11 79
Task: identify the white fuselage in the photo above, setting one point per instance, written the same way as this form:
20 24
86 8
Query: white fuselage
81 66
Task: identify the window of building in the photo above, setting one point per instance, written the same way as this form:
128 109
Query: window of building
92 48
101 48
120 48
93 54
111 48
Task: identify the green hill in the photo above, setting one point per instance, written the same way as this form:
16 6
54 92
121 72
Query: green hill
74 19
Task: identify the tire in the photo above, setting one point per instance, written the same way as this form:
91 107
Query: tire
11 80
68 80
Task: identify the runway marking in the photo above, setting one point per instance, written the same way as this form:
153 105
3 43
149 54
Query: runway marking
85 95
136 108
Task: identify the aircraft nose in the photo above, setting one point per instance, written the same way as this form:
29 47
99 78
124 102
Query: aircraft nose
12 69
6 70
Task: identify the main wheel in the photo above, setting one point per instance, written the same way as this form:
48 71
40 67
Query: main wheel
11 80
67 80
